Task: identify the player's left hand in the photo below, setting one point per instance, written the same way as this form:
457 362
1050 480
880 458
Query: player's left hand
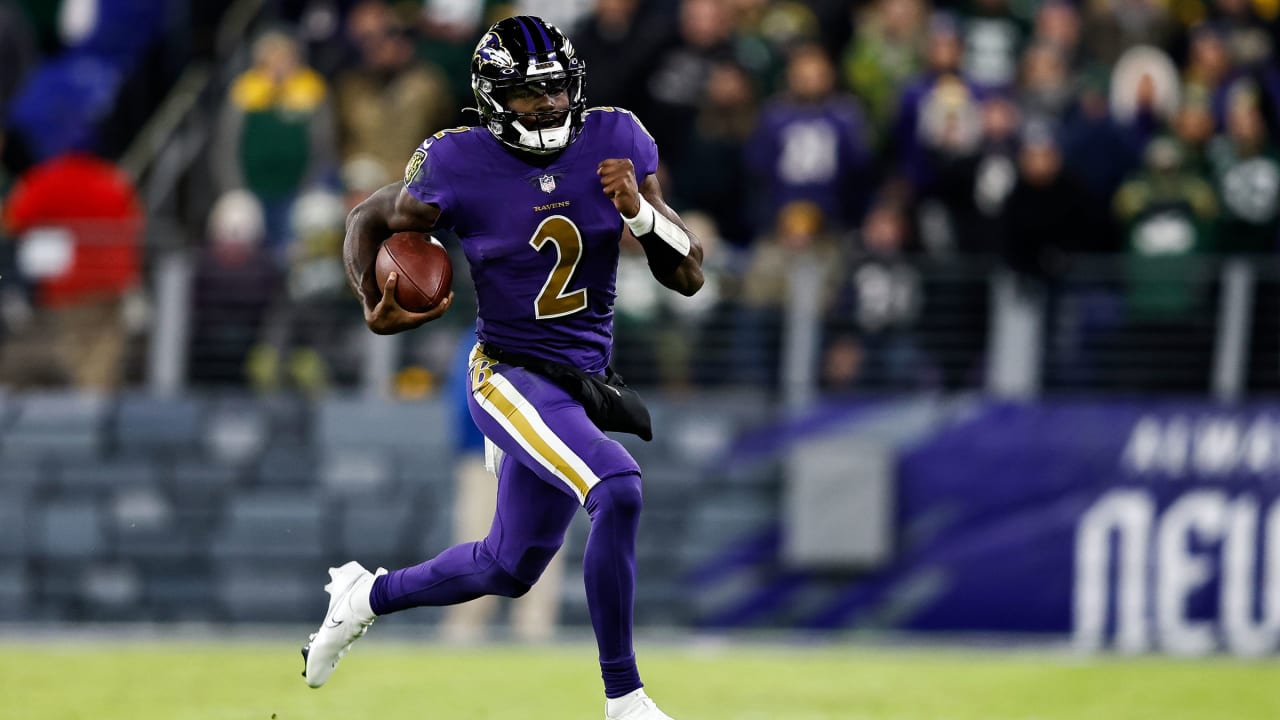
618 177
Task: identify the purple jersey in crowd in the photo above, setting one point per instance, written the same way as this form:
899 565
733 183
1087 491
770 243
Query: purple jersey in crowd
542 242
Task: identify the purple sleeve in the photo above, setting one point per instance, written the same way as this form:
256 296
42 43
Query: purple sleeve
424 179
644 151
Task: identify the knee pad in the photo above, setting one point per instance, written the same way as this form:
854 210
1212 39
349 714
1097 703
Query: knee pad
618 496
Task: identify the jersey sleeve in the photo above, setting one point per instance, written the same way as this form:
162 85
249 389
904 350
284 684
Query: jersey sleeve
644 151
426 180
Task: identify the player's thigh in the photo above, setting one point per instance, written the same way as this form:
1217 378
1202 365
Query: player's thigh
536 422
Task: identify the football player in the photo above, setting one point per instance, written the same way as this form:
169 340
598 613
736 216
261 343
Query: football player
538 194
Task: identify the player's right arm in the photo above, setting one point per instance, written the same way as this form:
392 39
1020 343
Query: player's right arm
386 212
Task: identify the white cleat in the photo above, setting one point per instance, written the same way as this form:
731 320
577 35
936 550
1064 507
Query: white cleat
348 617
635 705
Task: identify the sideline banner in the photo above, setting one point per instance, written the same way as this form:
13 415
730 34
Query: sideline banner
1143 526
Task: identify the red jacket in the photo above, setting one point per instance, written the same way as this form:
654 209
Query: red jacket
96 203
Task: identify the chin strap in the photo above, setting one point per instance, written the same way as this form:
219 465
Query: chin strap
665 243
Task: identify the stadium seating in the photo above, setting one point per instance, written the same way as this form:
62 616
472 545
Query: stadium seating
14 511
62 424
69 530
271 525
15 591
231 507
143 423
89 476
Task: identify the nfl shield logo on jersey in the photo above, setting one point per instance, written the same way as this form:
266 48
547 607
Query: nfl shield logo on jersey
547 183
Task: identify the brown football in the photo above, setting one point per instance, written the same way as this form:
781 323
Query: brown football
424 273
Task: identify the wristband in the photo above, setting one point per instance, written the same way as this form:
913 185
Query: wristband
642 223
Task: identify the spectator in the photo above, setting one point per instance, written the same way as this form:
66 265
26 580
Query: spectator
307 343
884 56
973 186
707 360
801 235
1112 27
938 88
950 136
801 243
1246 169
712 170
881 298
1251 45
678 75
1251 41
767 32
390 102
993 39
1057 23
1208 71
810 144
1193 127
1168 215
1144 93
361 176
235 285
1048 217
78 222
669 340
1095 148
276 133
618 45
448 37
1046 90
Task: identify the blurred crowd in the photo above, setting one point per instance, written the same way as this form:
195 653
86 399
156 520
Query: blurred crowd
843 142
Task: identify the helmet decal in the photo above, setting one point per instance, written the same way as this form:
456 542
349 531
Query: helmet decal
491 52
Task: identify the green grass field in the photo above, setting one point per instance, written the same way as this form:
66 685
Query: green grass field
135 680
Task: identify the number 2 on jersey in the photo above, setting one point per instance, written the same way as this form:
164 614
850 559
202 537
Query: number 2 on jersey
552 302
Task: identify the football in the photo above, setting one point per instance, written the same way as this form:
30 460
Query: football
424 272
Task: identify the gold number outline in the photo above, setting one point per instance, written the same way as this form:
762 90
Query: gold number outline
552 302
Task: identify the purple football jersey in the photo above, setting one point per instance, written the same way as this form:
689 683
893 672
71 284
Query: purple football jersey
542 242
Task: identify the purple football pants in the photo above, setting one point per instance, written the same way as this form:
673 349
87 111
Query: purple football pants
555 460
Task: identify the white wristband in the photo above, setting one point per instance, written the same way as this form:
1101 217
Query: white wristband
649 220
642 223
